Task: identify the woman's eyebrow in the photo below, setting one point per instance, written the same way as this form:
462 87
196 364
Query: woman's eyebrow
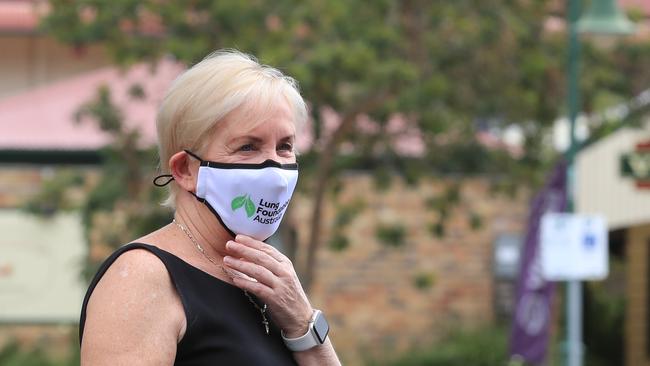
255 139
247 138
288 138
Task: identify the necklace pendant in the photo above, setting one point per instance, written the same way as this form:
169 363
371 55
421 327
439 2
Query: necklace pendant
264 320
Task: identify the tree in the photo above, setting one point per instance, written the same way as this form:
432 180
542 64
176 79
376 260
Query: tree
445 67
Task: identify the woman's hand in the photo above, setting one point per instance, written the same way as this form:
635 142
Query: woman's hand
276 282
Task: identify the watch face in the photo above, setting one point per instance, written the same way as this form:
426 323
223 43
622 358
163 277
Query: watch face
321 327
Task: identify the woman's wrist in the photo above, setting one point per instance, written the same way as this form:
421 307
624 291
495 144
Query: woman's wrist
300 327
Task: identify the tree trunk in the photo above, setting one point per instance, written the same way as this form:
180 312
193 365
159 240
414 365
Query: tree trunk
323 177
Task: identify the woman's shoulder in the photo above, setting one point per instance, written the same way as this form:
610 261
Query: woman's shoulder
135 295
138 263
131 272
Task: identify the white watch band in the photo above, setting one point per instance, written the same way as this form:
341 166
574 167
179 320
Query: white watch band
304 342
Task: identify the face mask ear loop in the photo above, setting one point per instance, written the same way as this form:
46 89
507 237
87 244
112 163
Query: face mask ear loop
157 183
202 200
193 155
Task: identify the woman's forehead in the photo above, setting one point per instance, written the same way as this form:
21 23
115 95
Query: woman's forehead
256 118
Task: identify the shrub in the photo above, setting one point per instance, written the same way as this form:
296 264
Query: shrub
484 347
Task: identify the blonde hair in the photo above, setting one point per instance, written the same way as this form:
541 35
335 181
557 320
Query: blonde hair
206 93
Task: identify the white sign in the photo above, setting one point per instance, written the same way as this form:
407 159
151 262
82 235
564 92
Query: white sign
40 265
573 247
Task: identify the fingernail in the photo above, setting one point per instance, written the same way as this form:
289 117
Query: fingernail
229 244
227 259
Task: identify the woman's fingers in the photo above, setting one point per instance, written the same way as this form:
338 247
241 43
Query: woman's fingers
258 289
277 283
256 244
255 271
258 255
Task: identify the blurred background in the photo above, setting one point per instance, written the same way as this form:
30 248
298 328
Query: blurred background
435 128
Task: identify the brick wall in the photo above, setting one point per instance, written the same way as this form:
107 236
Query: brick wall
368 289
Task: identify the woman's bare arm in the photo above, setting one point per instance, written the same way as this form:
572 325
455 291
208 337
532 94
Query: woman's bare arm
134 316
320 355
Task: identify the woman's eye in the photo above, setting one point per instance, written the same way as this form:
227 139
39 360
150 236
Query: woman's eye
247 147
285 147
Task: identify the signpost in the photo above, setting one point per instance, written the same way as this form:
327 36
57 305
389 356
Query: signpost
603 18
574 247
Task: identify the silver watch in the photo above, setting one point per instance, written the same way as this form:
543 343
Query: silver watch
315 336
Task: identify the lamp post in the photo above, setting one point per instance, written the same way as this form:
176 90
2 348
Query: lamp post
603 17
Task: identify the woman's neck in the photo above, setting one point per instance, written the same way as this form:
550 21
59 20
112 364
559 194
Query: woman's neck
204 227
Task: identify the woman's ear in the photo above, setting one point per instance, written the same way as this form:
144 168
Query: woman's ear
182 169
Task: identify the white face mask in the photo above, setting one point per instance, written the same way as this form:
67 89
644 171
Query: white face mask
247 199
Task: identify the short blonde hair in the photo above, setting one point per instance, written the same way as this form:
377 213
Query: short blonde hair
206 93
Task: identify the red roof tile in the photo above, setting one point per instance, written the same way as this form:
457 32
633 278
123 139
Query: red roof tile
20 16
43 118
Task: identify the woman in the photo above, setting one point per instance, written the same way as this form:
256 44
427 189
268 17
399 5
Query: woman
206 289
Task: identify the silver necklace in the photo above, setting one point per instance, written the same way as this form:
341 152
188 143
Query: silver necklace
261 309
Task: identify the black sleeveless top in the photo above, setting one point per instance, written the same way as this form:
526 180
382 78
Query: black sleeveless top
223 327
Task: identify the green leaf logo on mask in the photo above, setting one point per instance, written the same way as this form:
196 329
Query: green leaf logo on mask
244 201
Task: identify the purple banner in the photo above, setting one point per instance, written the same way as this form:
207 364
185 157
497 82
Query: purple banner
532 312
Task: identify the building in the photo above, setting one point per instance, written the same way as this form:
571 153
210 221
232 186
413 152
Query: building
612 179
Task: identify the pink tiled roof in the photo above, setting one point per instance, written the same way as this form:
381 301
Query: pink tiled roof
43 118
19 16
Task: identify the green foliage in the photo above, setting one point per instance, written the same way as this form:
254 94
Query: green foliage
484 347
345 214
391 235
437 229
149 219
452 195
136 91
605 317
102 110
338 242
122 198
382 178
424 280
475 221
55 194
442 205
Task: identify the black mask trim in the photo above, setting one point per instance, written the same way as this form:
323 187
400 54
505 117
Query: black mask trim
232 233
266 164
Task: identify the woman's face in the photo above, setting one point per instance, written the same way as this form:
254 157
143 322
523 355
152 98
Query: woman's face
272 137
